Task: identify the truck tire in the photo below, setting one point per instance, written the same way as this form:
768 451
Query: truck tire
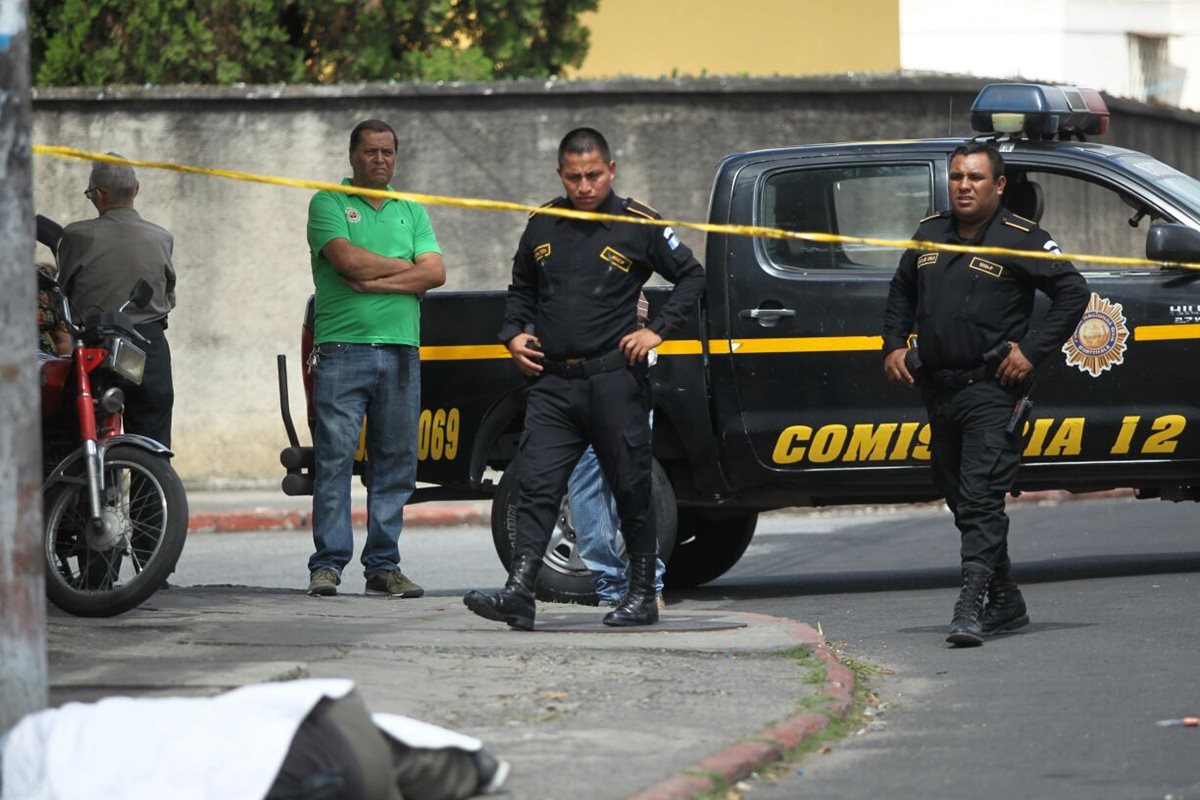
563 577
710 542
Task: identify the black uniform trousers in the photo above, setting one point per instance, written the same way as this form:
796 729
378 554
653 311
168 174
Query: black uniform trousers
148 407
610 411
975 462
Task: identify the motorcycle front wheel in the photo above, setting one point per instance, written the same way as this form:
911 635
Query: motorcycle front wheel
106 569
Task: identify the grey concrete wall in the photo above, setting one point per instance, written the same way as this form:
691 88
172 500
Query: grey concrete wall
240 251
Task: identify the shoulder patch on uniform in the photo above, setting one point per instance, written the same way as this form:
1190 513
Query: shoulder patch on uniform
557 202
672 240
1020 223
932 217
641 209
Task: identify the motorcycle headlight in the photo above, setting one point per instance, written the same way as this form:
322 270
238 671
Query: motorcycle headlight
126 359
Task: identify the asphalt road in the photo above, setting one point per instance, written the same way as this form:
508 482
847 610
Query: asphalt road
1065 708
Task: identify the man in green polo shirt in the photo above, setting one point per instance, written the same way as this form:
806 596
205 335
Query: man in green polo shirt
372 258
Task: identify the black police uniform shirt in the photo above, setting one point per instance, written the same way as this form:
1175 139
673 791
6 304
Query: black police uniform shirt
577 282
965 305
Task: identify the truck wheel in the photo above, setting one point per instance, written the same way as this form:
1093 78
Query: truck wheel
710 542
563 577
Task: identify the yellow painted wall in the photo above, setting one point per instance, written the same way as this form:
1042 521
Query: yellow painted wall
657 38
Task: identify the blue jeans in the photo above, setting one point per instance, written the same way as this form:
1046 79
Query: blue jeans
594 517
384 383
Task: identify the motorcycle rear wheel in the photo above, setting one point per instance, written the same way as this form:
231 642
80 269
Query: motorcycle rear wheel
145 508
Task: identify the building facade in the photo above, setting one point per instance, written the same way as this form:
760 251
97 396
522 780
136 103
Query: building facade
1146 50
755 38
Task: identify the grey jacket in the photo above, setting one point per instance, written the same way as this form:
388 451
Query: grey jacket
99 261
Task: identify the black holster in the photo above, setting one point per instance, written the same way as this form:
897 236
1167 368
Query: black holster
912 362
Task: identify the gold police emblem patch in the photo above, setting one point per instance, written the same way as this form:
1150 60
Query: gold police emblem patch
541 252
1099 339
927 259
617 259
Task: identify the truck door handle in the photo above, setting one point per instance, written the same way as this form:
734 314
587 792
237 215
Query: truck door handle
767 317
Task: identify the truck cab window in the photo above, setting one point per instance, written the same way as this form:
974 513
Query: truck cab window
1082 215
883 201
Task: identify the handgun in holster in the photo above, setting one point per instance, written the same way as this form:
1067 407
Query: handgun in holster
993 357
912 362
1020 413
1024 405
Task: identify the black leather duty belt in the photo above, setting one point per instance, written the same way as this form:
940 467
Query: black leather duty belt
960 378
586 367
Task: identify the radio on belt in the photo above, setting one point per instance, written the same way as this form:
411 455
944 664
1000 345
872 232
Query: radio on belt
1039 111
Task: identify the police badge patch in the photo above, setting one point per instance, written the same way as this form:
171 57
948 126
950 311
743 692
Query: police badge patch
1099 339
541 252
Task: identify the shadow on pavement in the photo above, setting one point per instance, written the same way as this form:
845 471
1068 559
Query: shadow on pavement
853 582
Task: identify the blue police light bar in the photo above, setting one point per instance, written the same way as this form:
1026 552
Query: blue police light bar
1039 110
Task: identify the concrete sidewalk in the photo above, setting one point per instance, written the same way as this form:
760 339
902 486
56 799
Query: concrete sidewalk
579 710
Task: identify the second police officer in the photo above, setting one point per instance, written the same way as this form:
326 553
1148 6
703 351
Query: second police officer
575 285
978 347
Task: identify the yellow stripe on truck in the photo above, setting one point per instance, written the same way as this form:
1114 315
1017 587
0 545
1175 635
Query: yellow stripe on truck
793 344
683 347
1162 333
798 344
463 352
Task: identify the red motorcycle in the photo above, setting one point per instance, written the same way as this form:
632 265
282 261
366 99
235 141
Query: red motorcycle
115 510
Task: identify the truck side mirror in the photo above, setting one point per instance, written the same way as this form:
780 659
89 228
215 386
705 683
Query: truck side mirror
1170 241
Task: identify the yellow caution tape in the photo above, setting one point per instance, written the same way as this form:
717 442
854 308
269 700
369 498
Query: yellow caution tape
706 227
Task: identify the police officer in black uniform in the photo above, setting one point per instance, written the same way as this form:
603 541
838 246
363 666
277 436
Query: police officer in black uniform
575 285
978 347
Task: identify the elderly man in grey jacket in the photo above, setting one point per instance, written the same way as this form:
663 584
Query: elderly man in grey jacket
100 260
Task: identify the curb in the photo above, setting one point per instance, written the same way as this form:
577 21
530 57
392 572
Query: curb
433 516
741 759
281 520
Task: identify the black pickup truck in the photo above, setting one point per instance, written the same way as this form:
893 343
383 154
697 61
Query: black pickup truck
774 396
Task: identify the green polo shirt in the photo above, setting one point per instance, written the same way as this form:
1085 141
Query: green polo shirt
399 229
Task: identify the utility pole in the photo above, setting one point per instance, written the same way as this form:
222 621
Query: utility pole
22 593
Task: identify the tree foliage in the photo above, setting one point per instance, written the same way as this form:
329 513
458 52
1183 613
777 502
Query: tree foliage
102 42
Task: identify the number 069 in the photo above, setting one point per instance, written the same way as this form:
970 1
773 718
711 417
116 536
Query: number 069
437 434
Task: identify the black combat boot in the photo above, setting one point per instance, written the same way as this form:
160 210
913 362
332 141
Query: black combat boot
514 603
965 628
1005 609
639 606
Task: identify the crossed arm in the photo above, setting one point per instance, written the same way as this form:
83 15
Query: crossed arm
365 271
